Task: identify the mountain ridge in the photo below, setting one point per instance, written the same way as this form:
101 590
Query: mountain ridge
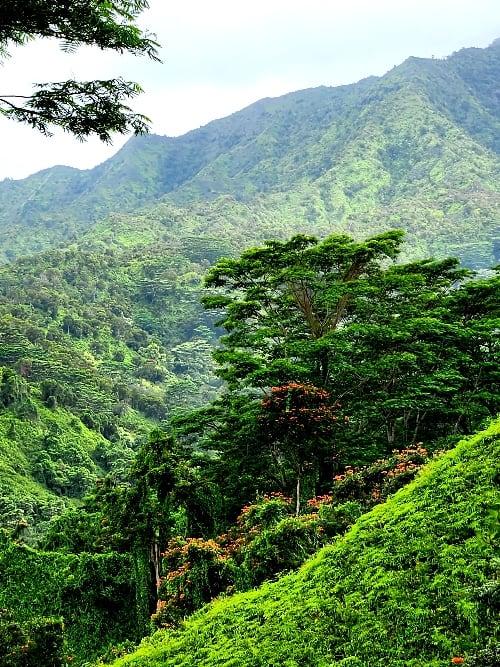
426 130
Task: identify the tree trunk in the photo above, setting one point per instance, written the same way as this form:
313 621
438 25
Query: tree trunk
420 418
324 364
155 557
406 422
297 501
391 433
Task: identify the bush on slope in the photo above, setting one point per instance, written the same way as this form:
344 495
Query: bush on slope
411 585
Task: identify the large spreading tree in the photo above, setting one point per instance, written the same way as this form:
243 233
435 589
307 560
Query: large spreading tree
83 108
407 352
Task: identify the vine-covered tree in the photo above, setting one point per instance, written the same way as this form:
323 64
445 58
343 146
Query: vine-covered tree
82 108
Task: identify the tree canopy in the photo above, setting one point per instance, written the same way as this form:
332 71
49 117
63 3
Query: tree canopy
401 352
82 108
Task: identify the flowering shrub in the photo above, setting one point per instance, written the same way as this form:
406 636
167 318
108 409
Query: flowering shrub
268 539
301 409
265 513
197 571
372 484
300 421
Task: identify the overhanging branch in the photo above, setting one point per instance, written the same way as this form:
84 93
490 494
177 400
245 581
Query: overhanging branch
82 108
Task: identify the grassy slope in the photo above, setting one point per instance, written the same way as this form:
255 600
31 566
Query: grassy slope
399 590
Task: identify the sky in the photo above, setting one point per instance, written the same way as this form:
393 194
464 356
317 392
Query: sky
222 55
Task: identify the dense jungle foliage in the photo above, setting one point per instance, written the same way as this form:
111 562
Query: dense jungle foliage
414 583
183 420
337 363
98 345
60 608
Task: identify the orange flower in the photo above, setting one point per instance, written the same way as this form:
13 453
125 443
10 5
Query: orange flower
457 661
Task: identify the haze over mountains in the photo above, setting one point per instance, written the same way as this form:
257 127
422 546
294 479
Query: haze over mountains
417 148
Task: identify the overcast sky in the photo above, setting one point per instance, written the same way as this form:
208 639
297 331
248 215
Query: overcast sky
221 55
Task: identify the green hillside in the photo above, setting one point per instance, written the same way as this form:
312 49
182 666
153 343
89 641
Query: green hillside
99 342
107 338
219 353
412 584
417 148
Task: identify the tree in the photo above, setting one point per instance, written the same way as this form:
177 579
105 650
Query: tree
287 295
299 421
407 350
82 108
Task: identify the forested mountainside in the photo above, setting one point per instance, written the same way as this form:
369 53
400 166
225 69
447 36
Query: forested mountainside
416 148
104 339
99 342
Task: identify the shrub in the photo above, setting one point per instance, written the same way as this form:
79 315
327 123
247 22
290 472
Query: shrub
265 512
31 644
487 657
336 519
197 571
281 548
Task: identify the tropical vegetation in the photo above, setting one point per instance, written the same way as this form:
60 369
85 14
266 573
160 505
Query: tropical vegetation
249 385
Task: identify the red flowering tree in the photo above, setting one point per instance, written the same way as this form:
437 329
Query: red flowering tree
299 421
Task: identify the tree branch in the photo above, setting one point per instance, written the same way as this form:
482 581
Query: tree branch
82 108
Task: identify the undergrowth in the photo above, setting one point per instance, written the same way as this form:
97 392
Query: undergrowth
403 588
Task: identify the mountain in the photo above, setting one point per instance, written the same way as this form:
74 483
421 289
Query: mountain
412 584
417 148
